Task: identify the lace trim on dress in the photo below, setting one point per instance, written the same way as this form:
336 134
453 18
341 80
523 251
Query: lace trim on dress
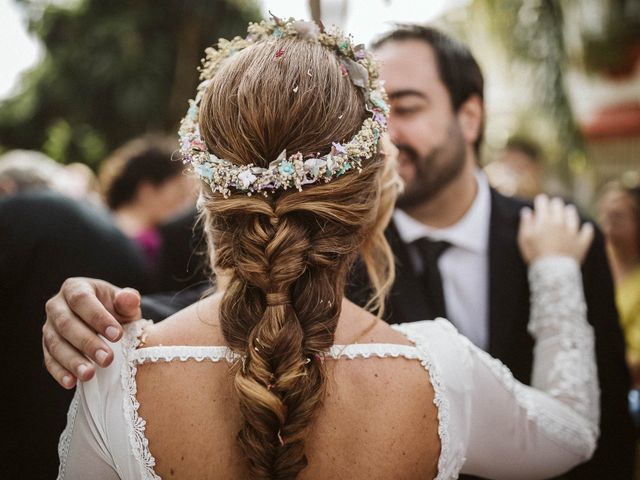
368 350
183 353
137 438
65 438
134 356
216 354
447 467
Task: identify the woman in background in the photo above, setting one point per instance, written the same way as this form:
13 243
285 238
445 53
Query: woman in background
144 188
619 213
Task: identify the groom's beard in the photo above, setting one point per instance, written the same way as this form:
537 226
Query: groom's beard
433 171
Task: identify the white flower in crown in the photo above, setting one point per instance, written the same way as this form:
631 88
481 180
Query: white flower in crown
307 30
246 179
288 171
313 165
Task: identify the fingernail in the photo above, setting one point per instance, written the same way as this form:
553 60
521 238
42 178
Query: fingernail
101 356
134 291
82 369
67 381
111 333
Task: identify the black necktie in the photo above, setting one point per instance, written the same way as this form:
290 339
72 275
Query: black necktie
430 251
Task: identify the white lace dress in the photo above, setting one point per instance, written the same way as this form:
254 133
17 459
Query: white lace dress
489 424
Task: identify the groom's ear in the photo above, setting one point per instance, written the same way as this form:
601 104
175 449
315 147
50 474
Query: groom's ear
471 119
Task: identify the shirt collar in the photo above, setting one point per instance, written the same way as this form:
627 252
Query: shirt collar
471 232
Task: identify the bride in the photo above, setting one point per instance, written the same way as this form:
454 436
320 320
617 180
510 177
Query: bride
278 376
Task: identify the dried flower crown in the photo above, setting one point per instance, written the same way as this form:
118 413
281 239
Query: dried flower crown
296 170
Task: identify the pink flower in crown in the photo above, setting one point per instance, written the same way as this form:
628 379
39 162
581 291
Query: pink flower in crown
199 145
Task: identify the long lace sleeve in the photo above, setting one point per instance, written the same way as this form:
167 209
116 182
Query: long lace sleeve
517 431
564 354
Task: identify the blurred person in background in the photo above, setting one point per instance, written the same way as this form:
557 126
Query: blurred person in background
27 170
144 188
182 258
81 183
46 237
619 215
519 170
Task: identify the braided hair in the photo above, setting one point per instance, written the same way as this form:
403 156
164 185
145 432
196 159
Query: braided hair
288 253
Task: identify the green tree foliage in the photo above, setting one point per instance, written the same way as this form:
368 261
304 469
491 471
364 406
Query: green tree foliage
113 70
536 36
532 30
615 48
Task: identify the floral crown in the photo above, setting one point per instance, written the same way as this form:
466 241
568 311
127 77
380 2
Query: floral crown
295 170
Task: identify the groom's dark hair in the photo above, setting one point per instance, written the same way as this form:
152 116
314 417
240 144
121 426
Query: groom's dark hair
458 69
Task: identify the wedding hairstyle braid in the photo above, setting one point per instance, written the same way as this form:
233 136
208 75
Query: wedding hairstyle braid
288 254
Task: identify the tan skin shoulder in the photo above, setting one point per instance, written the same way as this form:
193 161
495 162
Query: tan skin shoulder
199 324
387 419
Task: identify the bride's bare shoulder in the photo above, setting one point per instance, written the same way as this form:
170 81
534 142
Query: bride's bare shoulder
356 325
198 324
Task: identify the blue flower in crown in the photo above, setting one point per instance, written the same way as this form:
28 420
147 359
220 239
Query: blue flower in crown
204 171
344 168
193 111
286 168
379 102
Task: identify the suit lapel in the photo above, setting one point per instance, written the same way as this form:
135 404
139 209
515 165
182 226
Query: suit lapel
508 290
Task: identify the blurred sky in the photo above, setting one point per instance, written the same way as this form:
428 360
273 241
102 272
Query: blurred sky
18 50
364 19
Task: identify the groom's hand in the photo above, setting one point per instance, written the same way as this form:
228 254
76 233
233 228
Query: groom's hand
82 309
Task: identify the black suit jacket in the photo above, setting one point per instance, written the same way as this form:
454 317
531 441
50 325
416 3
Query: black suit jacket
44 239
508 317
182 260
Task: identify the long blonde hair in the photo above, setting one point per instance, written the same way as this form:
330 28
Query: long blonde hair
288 254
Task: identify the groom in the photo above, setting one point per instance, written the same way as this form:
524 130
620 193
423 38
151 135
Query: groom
453 236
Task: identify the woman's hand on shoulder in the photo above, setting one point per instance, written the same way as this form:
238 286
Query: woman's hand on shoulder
553 228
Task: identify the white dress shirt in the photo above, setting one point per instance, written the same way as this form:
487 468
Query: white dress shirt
464 266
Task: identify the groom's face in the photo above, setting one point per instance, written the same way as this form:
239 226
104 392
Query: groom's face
422 123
